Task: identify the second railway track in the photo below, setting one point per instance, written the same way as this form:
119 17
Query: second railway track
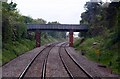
72 67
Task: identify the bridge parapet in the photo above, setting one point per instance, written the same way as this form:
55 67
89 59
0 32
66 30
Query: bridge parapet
57 27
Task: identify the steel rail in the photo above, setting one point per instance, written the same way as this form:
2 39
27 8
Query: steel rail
28 66
45 64
87 73
66 68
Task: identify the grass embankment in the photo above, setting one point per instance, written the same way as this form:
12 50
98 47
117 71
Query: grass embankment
11 51
14 49
99 52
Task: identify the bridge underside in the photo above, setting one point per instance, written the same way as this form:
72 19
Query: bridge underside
38 38
37 28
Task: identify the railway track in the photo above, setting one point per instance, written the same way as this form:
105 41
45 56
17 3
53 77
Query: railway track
73 68
29 68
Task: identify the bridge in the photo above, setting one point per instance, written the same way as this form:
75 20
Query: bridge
37 28
57 27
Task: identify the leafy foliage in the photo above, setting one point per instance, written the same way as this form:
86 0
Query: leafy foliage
15 38
56 34
104 21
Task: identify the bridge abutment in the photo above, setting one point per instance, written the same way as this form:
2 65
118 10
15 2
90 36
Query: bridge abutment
71 38
38 38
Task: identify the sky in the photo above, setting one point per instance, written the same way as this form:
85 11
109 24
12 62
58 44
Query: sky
63 11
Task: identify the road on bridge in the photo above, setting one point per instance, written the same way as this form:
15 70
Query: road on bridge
53 60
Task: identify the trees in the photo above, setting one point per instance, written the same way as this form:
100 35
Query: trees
15 38
99 18
13 23
56 34
39 21
7 10
104 22
93 17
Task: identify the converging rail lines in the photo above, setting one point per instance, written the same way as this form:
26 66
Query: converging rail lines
42 67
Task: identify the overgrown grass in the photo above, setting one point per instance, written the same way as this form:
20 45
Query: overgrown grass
106 56
16 48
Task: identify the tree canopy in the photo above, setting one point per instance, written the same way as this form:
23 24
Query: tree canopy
14 25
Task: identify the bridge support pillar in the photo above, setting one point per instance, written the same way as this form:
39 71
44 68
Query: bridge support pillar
71 38
38 38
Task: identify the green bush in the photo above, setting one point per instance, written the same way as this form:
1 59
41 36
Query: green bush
16 48
107 56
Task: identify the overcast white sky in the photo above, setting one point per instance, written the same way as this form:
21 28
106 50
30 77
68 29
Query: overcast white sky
63 11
